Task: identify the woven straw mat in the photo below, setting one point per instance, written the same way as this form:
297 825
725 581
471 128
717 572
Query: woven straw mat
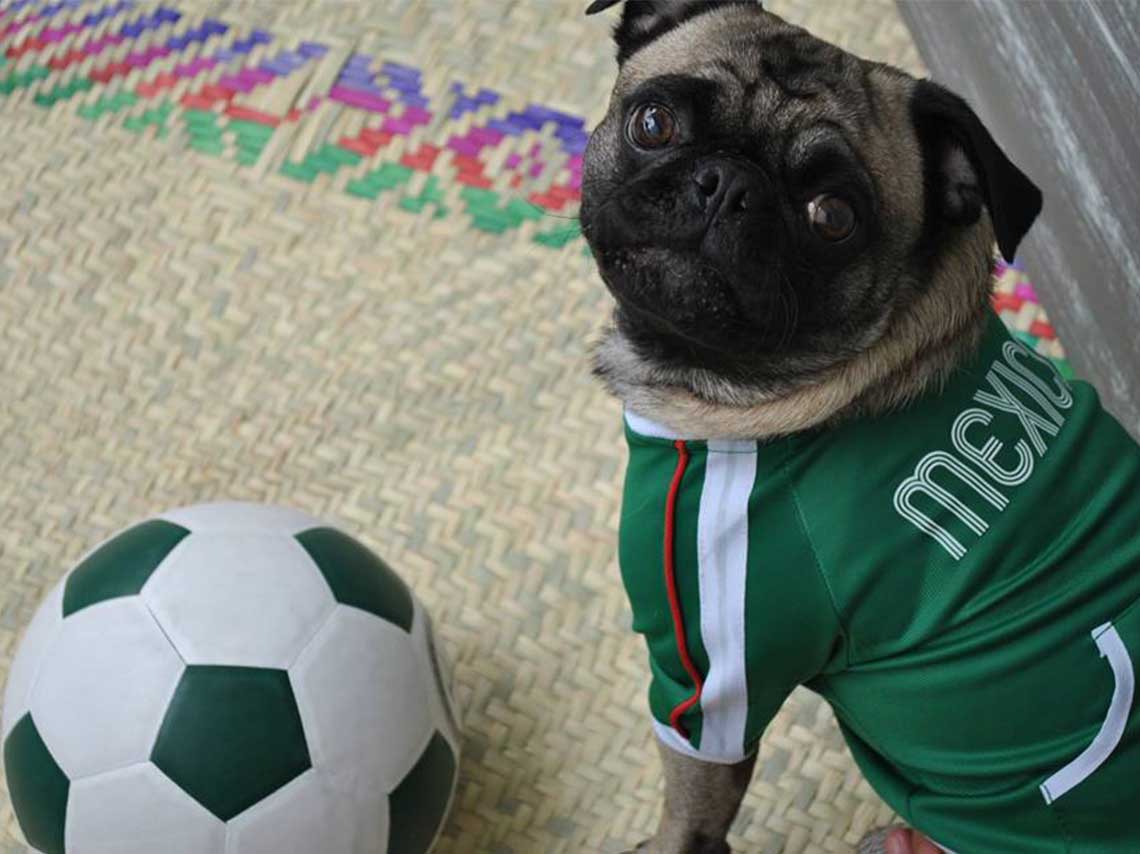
325 255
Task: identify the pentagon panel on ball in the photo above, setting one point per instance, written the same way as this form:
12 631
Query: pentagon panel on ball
230 679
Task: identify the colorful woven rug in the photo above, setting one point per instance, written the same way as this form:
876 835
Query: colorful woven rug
1017 304
324 254
356 121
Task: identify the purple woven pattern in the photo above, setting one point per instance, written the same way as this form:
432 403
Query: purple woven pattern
364 124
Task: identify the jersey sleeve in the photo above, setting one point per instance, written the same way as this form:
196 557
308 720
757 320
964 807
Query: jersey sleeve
724 588
793 633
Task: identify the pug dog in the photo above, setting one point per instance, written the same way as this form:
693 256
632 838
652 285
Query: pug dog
844 473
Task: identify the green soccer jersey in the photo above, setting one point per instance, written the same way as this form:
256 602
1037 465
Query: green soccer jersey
959 580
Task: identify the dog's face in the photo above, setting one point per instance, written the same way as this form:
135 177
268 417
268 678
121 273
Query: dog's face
762 204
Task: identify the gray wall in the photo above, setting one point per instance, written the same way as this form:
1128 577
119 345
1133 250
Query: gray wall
1058 83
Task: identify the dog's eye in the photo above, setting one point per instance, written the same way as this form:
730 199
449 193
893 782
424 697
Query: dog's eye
831 218
652 126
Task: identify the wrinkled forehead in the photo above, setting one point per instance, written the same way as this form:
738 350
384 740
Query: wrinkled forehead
761 67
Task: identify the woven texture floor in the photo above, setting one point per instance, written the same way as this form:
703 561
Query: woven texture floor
323 254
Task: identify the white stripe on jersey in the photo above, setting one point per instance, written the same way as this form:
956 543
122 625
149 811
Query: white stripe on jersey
676 742
722 555
1111 646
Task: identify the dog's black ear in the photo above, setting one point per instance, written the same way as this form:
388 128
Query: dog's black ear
966 169
644 20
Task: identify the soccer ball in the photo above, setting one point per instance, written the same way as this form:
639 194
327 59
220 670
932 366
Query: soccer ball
230 679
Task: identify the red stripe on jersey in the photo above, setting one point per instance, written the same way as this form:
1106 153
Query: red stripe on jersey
674 598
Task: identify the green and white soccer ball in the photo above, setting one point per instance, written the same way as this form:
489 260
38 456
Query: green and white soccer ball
230 679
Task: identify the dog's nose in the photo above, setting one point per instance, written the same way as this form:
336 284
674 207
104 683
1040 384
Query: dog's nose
726 187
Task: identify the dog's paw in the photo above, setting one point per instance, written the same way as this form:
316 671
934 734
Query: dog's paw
875 842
